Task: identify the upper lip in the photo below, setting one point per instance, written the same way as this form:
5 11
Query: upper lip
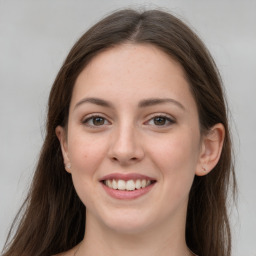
126 176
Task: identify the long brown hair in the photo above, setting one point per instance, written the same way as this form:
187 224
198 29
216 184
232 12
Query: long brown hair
52 219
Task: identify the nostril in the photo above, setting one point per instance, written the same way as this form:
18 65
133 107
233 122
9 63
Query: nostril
132 159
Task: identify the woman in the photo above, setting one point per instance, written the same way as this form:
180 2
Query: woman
137 155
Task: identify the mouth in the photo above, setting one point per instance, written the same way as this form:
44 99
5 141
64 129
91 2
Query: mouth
129 185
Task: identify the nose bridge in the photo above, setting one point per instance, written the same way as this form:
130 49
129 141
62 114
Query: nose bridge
126 146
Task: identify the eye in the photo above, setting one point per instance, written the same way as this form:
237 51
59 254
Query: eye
94 121
161 120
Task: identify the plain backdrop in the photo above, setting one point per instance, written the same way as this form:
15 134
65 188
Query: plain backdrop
35 37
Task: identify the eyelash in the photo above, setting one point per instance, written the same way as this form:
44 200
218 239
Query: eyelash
167 120
153 118
93 117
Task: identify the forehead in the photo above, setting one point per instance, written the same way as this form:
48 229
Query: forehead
137 70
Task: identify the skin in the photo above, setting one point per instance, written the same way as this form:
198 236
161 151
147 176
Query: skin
129 139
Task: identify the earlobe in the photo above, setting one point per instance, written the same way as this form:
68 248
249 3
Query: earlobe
61 134
211 148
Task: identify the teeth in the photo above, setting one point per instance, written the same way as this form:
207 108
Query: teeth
129 185
121 185
143 183
114 184
138 184
109 183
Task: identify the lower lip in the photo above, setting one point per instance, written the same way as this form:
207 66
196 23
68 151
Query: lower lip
125 195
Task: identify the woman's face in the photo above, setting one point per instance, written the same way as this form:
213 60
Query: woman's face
133 139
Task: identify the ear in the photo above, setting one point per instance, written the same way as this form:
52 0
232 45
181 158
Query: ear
61 134
211 148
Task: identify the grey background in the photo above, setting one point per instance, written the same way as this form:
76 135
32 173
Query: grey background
35 37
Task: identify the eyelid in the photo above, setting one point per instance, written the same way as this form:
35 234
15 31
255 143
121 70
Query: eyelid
89 117
161 114
168 117
171 120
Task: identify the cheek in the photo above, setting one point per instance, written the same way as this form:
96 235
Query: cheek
177 150
86 152
176 157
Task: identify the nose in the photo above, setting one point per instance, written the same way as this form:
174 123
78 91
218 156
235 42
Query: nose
126 146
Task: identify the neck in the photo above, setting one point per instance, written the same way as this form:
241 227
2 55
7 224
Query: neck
158 241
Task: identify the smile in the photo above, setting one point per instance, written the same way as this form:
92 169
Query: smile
129 185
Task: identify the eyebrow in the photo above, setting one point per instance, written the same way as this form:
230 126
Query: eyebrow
157 101
96 101
142 104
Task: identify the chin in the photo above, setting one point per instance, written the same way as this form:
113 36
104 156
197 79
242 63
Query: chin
128 222
128 228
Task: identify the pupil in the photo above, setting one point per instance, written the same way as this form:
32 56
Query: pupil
98 121
159 120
